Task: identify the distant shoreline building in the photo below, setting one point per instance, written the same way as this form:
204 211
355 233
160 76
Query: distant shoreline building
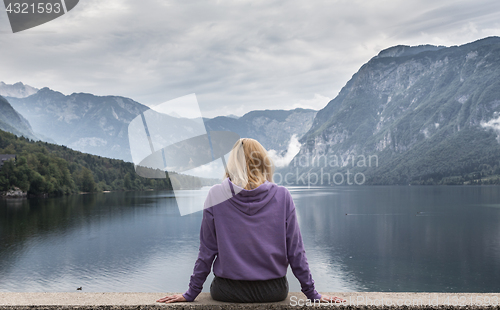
5 157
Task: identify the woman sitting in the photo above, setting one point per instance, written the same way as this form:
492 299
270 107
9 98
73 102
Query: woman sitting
250 228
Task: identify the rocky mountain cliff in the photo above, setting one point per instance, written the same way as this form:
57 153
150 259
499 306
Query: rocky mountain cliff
427 114
13 122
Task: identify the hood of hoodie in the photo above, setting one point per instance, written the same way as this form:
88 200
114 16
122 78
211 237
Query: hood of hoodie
251 201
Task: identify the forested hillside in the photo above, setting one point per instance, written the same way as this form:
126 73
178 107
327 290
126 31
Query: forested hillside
48 169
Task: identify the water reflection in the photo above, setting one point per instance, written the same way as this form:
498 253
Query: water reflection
443 239
106 242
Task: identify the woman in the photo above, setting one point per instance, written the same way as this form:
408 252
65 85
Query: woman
250 228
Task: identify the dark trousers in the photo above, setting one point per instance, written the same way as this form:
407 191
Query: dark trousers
243 291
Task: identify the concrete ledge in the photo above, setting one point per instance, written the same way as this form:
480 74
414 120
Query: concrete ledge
140 301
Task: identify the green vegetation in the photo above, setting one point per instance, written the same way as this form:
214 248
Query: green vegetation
42 168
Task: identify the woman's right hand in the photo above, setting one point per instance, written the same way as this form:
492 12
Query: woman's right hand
332 299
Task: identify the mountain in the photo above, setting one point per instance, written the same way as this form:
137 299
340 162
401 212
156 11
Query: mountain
423 115
272 128
18 90
13 122
84 122
99 125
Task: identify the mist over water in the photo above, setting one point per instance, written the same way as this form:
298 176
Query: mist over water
357 238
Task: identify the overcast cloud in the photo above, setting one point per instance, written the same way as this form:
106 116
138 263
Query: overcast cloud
236 56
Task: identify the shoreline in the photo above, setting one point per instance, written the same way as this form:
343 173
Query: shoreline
25 195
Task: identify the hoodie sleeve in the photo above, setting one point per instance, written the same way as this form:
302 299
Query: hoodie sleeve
296 252
206 256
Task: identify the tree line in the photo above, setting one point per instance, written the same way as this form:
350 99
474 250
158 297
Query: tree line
43 168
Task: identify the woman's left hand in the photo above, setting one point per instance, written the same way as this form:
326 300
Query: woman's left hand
172 298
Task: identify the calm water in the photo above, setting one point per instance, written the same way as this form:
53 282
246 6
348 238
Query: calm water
432 239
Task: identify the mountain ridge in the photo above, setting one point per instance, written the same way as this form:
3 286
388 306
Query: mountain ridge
404 108
82 121
258 124
18 90
99 124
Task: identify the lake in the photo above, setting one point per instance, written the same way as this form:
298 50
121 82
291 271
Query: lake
357 238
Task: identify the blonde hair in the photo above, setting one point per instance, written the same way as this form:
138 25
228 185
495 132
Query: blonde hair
249 165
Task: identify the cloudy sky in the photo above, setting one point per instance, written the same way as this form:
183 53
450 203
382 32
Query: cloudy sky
236 56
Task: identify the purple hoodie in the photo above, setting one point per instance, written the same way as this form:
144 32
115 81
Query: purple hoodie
252 235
